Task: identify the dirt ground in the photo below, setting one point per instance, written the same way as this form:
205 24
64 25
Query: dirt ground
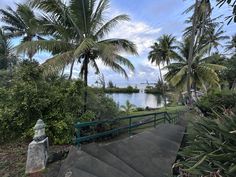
13 160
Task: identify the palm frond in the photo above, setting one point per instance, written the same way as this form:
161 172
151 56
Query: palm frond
110 24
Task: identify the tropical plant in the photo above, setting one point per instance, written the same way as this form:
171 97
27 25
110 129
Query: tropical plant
79 29
210 148
128 107
231 45
202 11
203 73
162 52
217 101
230 73
231 3
58 101
7 58
21 23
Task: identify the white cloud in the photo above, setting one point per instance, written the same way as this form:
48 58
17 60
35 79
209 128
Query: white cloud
142 34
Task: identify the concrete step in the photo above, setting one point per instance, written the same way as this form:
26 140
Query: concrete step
169 131
88 164
148 153
110 159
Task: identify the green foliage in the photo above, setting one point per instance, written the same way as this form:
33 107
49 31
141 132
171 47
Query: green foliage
217 101
57 101
211 147
110 84
230 73
128 107
128 89
87 116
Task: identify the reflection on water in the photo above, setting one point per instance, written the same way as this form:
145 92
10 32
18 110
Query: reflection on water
139 99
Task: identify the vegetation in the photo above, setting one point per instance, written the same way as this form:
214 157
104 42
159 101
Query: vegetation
128 89
203 72
217 102
210 147
56 100
128 107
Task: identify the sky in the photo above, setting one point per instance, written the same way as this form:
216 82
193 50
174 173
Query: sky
149 20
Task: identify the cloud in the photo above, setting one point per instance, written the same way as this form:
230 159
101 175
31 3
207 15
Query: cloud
142 34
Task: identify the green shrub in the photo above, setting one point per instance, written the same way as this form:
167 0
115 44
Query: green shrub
58 102
211 147
217 101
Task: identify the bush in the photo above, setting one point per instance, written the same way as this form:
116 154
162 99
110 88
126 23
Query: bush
217 101
211 147
58 102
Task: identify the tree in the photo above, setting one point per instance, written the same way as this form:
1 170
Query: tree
7 59
231 3
21 23
162 52
230 73
203 73
79 33
231 45
154 56
128 107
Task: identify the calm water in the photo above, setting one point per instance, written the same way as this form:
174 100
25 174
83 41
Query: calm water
138 99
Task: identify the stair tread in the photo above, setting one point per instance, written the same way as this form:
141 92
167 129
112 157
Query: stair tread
148 153
83 161
107 157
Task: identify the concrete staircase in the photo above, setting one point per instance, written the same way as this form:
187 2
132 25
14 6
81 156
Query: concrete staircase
148 154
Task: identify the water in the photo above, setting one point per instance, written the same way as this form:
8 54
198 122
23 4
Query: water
138 99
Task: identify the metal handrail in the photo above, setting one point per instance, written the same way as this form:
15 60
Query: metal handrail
131 125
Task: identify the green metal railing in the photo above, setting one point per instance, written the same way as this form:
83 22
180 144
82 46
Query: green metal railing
90 131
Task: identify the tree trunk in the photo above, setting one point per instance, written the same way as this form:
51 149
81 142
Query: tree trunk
63 70
71 69
86 61
190 56
163 86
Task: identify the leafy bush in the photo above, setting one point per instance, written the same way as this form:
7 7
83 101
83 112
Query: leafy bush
58 102
211 147
217 101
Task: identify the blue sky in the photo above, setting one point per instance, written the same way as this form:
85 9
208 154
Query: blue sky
149 20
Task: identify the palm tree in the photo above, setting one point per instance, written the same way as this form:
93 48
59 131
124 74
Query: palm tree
79 30
21 23
167 47
154 56
231 45
7 58
203 73
128 107
162 52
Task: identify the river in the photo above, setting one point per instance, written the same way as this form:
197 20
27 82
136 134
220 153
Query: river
138 99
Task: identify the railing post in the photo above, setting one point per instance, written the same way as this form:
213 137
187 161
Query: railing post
78 135
130 126
155 119
164 117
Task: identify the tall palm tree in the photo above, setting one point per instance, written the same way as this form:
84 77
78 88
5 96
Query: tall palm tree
203 73
21 23
79 30
154 56
162 52
7 57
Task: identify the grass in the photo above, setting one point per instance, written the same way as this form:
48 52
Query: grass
169 109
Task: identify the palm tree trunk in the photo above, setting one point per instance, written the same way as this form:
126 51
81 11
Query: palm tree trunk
190 57
163 86
63 70
71 69
86 60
